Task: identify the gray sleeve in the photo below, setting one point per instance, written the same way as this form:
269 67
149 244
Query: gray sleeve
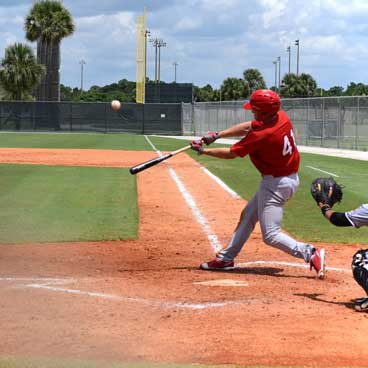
359 216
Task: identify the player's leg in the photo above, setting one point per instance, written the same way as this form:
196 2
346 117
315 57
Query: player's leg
246 224
360 273
224 260
273 194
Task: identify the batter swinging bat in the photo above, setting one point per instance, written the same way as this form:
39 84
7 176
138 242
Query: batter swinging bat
145 165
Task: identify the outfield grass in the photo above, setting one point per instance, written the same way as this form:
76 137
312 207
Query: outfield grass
74 140
302 218
41 203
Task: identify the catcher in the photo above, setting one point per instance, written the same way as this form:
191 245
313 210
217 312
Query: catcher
326 192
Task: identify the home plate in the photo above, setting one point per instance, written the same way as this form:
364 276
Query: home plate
225 282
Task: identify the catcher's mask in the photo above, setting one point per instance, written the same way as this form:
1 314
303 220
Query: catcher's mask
263 102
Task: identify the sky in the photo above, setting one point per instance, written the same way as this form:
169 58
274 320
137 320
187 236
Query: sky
210 40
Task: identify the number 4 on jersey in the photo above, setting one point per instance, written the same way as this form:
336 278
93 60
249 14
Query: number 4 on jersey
288 148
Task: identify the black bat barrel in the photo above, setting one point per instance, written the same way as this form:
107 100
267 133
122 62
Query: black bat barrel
145 165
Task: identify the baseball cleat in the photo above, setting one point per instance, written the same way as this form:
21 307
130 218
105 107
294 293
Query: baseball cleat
362 306
359 300
218 265
317 262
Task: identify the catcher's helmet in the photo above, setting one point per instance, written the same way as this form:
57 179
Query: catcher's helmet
264 101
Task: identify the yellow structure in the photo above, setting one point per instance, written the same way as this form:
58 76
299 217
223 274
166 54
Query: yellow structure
141 58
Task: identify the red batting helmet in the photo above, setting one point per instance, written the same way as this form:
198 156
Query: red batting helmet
264 101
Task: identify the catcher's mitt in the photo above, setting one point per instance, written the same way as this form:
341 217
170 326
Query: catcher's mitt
326 191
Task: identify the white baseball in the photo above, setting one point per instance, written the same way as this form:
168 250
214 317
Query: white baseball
115 105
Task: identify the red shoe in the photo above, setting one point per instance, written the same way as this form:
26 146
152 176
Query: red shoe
317 262
218 265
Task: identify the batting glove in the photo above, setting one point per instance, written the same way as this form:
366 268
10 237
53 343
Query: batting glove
210 137
197 145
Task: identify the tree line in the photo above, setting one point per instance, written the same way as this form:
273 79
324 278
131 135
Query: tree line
231 89
24 76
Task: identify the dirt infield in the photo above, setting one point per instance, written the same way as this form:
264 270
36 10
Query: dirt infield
147 301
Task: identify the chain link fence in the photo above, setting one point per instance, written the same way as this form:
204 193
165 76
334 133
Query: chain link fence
333 122
164 118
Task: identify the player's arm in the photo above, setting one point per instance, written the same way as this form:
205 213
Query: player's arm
237 130
219 152
336 218
326 192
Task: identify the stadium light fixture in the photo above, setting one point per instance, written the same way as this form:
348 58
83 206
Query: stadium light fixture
81 62
154 42
288 50
146 35
175 66
275 63
297 57
279 61
161 43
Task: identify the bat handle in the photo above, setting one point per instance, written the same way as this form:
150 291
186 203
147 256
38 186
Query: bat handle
180 150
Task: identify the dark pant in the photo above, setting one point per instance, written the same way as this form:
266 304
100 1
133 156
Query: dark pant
360 268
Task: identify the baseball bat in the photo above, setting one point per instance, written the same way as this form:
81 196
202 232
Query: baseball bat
145 165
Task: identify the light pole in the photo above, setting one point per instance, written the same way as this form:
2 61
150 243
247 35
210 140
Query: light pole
275 63
155 43
297 57
147 33
161 43
82 62
288 51
175 65
279 61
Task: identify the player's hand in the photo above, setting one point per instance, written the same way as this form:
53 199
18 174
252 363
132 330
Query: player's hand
210 137
197 145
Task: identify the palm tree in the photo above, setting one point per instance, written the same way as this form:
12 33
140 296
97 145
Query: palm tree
48 22
20 72
254 79
233 89
309 83
298 86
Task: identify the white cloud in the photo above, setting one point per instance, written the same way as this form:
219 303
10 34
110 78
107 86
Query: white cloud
346 8
210 39
275 9
186 24
9 38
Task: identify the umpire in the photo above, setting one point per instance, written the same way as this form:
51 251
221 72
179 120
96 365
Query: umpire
326 192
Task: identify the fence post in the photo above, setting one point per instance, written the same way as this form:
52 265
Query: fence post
338 121
357 123
71 116
144 118
323 122
105 117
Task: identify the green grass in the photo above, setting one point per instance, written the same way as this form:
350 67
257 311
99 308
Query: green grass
302 218
74 140
47 203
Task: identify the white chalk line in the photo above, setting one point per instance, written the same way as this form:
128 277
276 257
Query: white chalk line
199 217
325 172
290 264
220 183
206 171
48 284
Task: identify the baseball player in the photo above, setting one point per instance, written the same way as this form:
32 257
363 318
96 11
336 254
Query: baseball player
269 142
356 218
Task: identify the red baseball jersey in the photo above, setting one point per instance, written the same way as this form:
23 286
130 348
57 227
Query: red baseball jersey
271 147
